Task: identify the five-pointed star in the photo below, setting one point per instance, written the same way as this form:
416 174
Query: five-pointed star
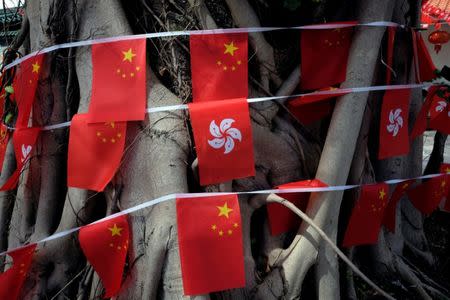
447 170
36 67
128 55
382 194
442 183
115 230
230 48
224 210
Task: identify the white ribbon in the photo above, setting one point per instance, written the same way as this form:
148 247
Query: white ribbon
274 98
194 32
201 195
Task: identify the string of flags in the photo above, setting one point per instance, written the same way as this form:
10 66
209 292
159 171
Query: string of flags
222 130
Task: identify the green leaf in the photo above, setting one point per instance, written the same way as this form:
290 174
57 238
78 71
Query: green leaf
8 118
9 89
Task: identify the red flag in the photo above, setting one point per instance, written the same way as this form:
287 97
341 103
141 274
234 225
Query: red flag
313 107
390 53
324 55
281 219
4 138
365 221
210 242
24 85
394 139
95 151
439 111
421 120
426 66
11 280
105 245
219 66
389 214
223 140
24 140
118 81
427 196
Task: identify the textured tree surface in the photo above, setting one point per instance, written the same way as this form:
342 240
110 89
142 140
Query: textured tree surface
160 157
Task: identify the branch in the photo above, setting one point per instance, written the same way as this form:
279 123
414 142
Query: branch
272 198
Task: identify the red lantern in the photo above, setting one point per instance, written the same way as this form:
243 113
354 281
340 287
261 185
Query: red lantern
438 38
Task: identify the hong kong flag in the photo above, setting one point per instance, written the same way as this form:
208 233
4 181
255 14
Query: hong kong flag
281 219
11 280
390 212
105 245
439 110
24 85
4 138
24 140
223 140
421 120
219 66
119 81
427 196
365 221
95 151
394 139
210 243
324 55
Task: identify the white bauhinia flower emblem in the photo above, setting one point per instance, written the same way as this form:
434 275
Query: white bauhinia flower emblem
26 149
441 106
224 135
395 121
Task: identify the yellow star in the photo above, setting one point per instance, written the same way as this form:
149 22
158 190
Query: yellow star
230 232
128 55
213 227
115 230
382 194
219 63
447 170
442 183
230 48
405 185
224 210
36 67
221 233
235 225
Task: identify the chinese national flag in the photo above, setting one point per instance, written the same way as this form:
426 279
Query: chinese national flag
425 63
324 55
394 138
118 81
390 212
310 108
95 151
24 140
11 280
365 221
210 242
421 120
427 196
4 138
105 245
281 219
24 84
219 66
223 140
439 110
